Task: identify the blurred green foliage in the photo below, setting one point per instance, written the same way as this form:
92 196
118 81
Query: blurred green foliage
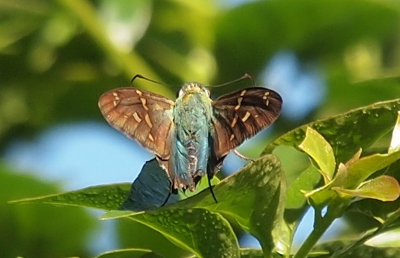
58 56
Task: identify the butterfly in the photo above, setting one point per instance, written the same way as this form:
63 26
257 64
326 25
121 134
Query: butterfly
192 136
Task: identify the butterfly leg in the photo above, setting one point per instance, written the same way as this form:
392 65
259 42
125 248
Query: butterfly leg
166 199
211 188
242 156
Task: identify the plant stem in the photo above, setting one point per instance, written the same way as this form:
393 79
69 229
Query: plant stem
321 224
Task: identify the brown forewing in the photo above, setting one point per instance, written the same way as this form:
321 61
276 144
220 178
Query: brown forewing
241 114
141 115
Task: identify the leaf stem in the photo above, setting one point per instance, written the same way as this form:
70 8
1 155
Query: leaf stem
321 224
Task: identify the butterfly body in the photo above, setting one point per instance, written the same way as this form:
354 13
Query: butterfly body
190 151
191 136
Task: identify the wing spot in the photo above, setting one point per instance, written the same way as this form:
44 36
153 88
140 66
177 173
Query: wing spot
246 116
138 92
137 117
116 99
266 98
234 121
240 99
242 93
144 101
148 121
232 137
151 137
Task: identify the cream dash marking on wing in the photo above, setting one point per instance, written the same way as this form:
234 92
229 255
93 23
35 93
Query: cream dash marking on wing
266 98
144 101
246 116
116 99
151 137
148 121
234 121
138 92
137 117
240 99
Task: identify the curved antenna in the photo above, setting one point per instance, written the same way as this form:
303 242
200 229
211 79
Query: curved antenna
139 76
245 76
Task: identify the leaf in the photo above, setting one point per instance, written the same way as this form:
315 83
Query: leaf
253 197
347 133
324 194
106 197
295 198
395 142
200 231
149 191
384 188
360 252
319 149
129 253
387 239
361 169
255 253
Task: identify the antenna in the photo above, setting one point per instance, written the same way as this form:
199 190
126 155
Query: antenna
139 76
245 76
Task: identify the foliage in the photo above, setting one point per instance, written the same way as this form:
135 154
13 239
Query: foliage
254 197
57 57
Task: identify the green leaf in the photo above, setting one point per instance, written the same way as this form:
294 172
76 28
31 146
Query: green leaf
395 142
197 230
360 252
200 231
253 197
324 194
295 198
361 169
255 253
384 188
130 253
387 239
347 132
106 197
149 191
319 149
252 253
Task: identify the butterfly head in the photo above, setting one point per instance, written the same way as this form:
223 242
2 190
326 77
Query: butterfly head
193 88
